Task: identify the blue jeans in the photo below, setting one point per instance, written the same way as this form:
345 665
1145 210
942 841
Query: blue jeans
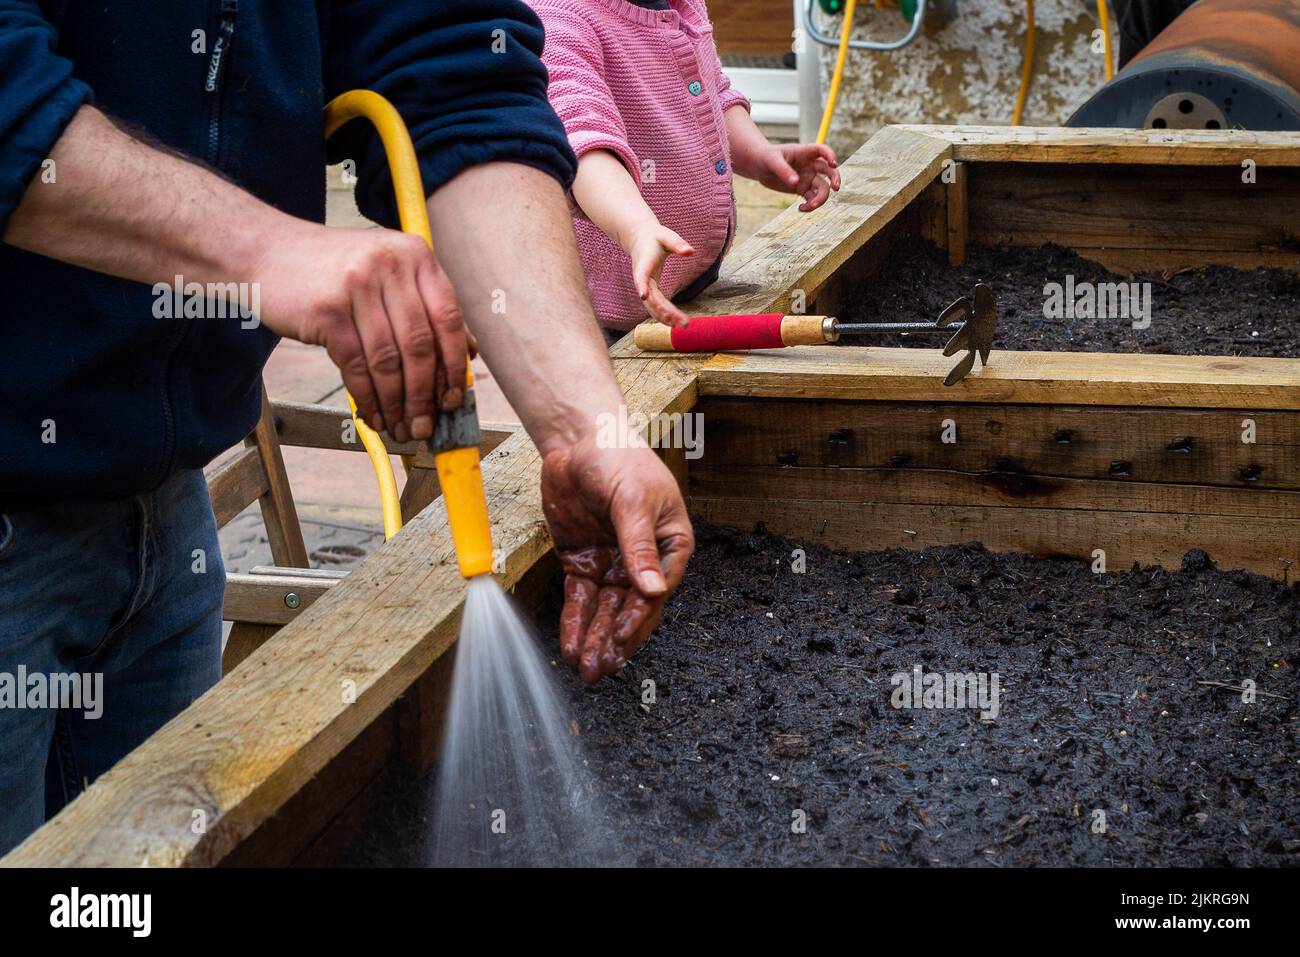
125 593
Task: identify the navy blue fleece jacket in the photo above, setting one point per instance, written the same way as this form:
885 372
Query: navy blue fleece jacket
128 398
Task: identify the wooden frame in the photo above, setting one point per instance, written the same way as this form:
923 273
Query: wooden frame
281 754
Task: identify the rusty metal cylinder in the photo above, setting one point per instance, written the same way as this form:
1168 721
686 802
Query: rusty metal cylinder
1222 64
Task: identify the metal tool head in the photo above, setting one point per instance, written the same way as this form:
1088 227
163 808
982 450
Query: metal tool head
976 332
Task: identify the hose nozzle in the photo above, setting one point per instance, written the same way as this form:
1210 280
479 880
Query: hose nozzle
455 453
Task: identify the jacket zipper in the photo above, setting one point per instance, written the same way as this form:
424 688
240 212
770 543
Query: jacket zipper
213 81
216 74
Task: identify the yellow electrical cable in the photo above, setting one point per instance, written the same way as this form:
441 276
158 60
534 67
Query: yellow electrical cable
833 93
1027 69
1104 18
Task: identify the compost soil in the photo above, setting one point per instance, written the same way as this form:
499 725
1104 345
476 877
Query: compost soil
773 737
1213 310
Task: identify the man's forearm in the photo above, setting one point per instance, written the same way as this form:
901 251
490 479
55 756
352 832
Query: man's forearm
119 206
504 236
373 298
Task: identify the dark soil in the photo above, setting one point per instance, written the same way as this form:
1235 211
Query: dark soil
773 695
1208 311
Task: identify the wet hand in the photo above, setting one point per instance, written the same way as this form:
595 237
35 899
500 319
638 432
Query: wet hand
623 537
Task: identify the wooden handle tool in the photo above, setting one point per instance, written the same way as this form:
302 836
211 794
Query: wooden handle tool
769 330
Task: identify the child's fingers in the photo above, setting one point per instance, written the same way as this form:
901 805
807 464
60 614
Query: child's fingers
673 243
645 269
831 174
662 308
816 183
780 167
816 194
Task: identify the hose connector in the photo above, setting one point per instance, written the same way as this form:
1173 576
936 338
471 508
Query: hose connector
454 446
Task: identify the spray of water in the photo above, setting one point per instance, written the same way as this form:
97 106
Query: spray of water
512 788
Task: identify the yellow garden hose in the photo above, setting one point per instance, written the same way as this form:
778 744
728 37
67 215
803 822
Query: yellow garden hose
833 93
1027 68
1103 18
456 437
389 501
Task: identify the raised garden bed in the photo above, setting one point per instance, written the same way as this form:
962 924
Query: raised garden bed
1056 455
1117 740
1194 310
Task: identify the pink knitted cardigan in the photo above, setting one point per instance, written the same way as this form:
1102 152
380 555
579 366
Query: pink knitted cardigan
646 85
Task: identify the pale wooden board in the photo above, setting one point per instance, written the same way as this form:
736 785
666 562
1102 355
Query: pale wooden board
1027 144
1066 378
1186 446
246 747
1265 546
260 598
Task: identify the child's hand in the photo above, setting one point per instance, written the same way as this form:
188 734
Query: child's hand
807 169
648 247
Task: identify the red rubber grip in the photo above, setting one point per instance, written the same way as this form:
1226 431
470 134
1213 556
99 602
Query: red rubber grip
721 333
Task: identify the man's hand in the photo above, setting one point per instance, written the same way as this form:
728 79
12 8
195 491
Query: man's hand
648 247
624 538
616 514
384 310
377 300
806 169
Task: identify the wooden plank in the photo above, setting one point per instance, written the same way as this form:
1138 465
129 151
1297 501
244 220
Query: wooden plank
421 488
1266 546
799 251
950 487
1189 446
1027 144
932 213
244 639
327 574
916 375
314 426
279 718
279 515
236 484
317 823
421 714
261 599
956 220
1166 213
